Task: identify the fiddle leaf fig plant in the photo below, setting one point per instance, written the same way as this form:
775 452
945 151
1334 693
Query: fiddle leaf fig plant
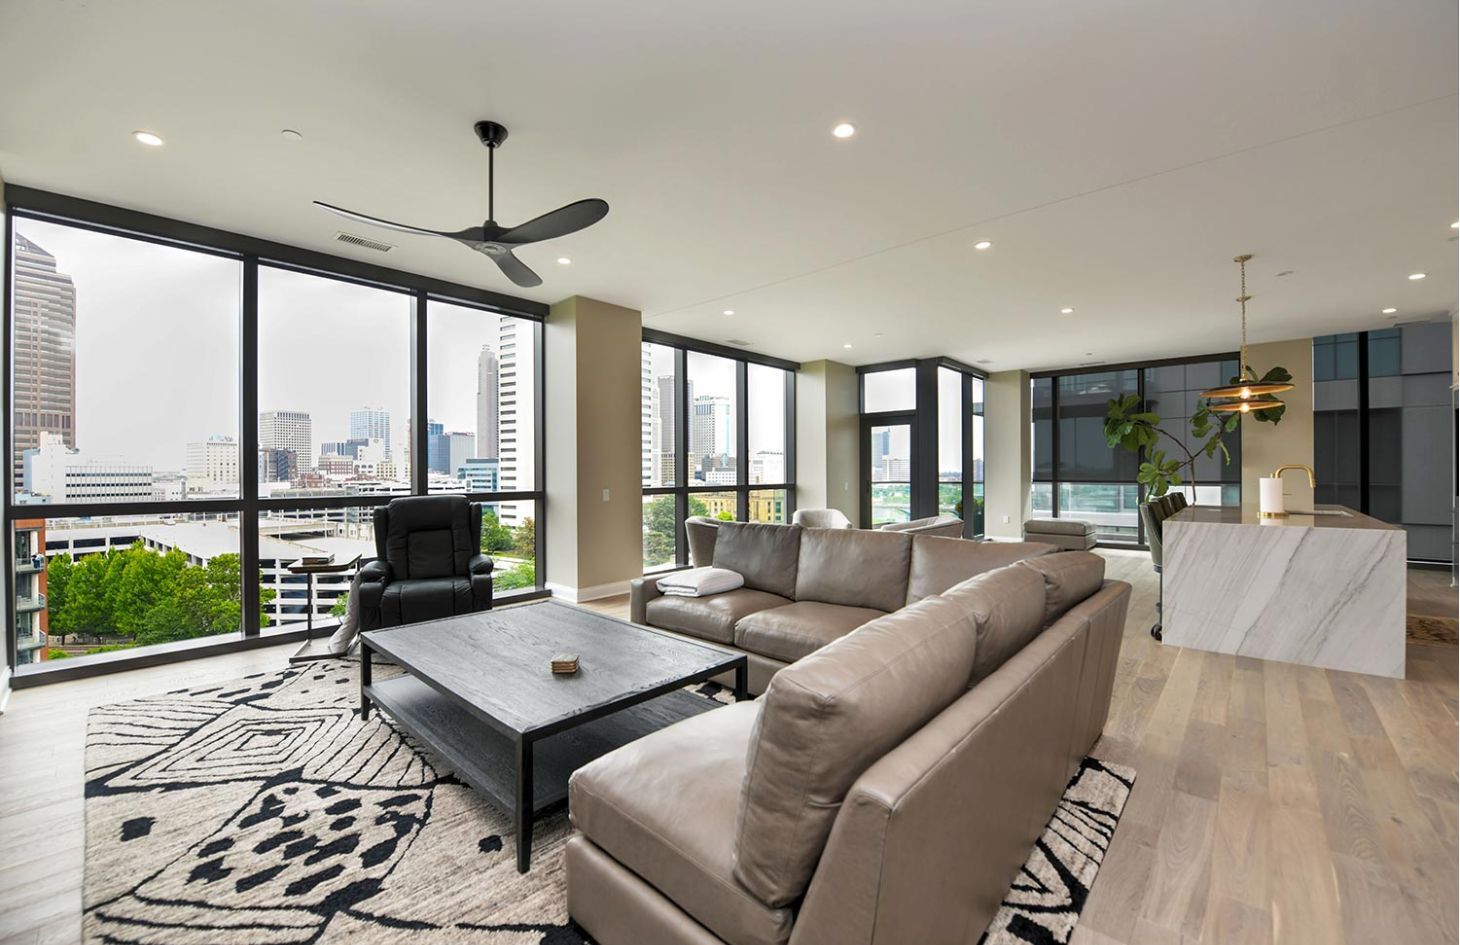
1129 426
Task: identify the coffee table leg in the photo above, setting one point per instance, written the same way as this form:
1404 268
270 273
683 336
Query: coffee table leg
742 681
524 804
364 680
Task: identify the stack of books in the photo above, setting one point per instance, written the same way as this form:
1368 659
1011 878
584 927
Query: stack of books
565 664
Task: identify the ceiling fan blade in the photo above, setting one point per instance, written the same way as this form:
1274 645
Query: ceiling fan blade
402 227
517 270
555 223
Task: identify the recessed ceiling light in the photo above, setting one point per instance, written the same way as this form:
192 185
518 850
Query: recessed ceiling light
844 130
728 311
148 138
289 134
1285 272
1067 311
846 346
564 261
1455 226
1387 311
1416 276
982 244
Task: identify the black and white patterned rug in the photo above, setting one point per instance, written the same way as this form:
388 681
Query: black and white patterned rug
264 812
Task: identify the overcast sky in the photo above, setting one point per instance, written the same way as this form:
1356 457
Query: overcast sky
157 354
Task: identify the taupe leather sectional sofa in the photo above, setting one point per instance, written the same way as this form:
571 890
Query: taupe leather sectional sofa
804 587
886 788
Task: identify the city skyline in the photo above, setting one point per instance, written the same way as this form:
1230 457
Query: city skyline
192 300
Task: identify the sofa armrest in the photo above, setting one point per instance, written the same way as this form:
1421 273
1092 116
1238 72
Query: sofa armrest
480 564
641 591
371 581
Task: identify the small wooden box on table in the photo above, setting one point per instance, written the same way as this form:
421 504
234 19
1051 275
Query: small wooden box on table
479 692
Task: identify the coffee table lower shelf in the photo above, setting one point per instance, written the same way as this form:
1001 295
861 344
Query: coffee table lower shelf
489 761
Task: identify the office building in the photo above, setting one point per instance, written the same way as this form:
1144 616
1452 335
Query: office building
44 333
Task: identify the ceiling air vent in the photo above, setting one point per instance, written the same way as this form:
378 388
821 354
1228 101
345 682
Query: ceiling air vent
737 342
362 242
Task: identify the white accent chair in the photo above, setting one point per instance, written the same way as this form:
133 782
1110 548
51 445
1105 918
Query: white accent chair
820 518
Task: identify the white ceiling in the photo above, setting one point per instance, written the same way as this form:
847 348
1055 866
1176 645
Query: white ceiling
1117 153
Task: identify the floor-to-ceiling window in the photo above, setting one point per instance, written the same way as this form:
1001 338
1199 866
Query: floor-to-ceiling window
1383 430
717 438
922 443
189 418
1077 475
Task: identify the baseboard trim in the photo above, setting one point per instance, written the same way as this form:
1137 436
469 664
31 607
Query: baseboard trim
578 595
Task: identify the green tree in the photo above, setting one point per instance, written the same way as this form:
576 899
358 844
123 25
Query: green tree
86 609
659 526
524 539
58 579
143 580
520 576
495 536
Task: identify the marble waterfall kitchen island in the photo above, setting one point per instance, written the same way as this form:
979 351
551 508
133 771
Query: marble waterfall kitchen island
1325 589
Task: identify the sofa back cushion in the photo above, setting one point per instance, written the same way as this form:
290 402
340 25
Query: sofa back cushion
765 555
826 719
854 567
940 563
1008 605
1069 577
430 536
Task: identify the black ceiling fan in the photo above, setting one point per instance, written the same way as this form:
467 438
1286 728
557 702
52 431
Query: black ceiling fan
490 239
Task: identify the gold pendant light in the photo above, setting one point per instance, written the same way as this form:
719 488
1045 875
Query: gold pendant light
1250 396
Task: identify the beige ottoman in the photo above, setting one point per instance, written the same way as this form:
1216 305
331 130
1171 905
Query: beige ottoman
1068 533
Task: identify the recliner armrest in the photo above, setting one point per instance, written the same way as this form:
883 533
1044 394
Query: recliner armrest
377 571
641 591
480 564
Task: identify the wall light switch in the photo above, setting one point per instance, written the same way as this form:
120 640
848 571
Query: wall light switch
1006 519
605 495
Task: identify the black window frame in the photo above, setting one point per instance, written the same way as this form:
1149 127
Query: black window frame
682 490
923 471
1140 367
24 203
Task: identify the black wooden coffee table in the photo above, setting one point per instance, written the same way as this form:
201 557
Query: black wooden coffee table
478 691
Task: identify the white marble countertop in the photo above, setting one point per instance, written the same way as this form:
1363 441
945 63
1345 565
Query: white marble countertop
1227 515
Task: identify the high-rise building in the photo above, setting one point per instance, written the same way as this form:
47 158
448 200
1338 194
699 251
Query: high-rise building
438 449
288 430
479 474
371 423
647 417
212 464
31 616
487 380
460 447
711 432
278 465
44 352
516 426
664 428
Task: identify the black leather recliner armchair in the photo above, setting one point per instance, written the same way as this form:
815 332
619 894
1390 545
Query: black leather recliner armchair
429 563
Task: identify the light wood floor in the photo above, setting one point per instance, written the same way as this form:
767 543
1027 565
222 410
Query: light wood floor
1273 804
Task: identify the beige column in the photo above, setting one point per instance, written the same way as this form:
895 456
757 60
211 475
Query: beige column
1265 447
827 431
1006 454
593 429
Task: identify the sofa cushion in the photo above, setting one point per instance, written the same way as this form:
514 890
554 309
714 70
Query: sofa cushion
791 632
854 567
765 554
940 563
665 805
1069 577
423 599
710 618
827 718
1009 607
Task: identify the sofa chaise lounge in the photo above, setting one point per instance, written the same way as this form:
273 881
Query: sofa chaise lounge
884 790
